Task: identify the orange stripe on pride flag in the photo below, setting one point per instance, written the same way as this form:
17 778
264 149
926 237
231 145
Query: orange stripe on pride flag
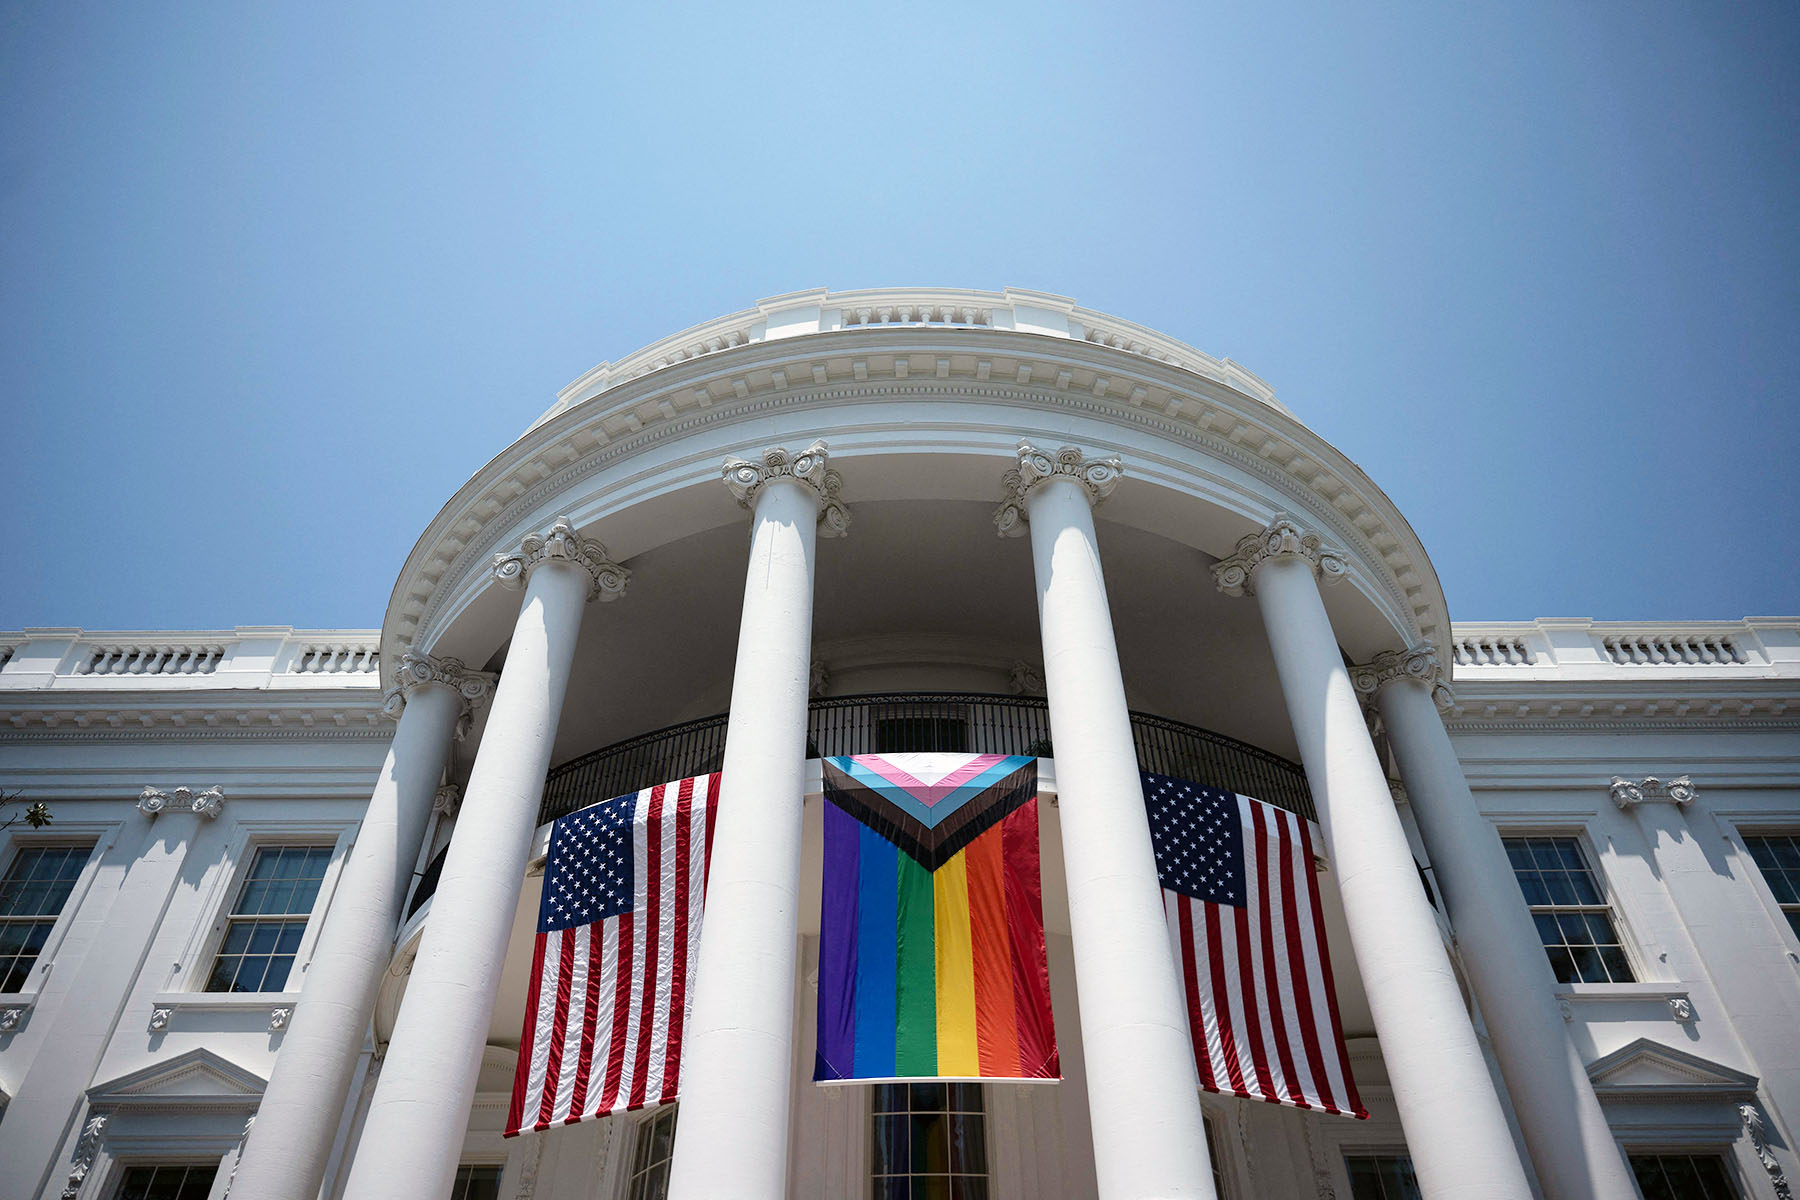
996 1022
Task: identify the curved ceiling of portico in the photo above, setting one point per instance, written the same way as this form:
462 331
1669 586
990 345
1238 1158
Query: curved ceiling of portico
924 573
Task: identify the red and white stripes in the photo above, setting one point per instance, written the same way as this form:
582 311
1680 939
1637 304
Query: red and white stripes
608 1000
1262 1011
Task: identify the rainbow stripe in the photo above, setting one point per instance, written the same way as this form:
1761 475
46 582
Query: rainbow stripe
934 973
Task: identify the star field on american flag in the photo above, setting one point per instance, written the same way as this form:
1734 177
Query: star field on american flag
1198 835
589 873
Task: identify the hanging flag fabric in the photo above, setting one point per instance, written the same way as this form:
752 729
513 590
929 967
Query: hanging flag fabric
618 930
931 939
1243 911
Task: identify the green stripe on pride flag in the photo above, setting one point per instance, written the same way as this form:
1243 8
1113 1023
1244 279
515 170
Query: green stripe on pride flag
915 1038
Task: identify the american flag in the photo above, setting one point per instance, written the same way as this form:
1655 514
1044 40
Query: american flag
1243 912
618 931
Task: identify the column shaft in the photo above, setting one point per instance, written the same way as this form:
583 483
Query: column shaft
1143 1094
1456 1130
414 1132
1564 1127
289 1145
737 1051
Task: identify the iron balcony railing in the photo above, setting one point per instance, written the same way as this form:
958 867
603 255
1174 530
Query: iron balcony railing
952 722
949 722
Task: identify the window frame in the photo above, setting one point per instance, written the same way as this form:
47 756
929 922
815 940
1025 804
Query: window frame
1736 833
99 837
120 1167
1727 1154
203 946
1351 1150
641 1131
872 1114
1629 943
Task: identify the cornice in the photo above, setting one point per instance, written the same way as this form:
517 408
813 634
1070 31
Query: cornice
189 716
1312 477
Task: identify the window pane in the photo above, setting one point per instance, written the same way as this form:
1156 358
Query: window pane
167 1181
968 1145
890 1097
928 1097
1682 1177
891 1156
965 1097
930 1144
1382 1177
893 1187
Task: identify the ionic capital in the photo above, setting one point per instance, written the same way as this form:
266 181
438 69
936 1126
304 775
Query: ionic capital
1629 793
1236 576
209 803
808 468
606 578
1420 662
417 670
1097 476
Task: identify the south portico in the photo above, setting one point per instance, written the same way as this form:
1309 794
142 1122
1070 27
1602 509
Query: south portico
1130 1079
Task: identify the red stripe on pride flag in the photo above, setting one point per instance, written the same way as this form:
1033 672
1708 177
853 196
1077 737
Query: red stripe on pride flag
1025 921
996 1017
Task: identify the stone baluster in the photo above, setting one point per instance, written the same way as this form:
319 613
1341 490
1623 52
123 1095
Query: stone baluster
1456 1130
285 1155
414 1132
1143 1097
738 1046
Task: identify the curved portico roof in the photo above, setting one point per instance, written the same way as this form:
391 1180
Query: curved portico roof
796 314
978 367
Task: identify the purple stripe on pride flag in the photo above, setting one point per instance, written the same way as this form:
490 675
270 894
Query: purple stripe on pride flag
837 947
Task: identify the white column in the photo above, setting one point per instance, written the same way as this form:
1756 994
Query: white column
288 1147
1456 1131
1564 1127
414 1132
1143 1093
737 1050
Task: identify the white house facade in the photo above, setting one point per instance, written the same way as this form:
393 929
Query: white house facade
276 941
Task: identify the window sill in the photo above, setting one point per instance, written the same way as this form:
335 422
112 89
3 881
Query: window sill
230 1012
1621 1001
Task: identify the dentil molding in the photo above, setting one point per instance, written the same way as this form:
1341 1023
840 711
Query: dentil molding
1628 794
1097 476
209 803
810 468
1419 662
417 670
1282 537
606 578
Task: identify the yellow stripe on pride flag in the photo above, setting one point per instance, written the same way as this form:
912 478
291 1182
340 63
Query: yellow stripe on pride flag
958 1053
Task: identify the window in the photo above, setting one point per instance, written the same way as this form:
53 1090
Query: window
167 1181
1381 1177
1212 1155
263 932
928 1142
650 1168
32 894
476 1183
1778 855
1682 1177
1573 919
921 735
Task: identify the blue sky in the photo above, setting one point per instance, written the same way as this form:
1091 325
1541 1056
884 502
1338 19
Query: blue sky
275 281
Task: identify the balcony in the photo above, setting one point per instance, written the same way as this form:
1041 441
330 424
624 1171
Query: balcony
945 722
909 722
